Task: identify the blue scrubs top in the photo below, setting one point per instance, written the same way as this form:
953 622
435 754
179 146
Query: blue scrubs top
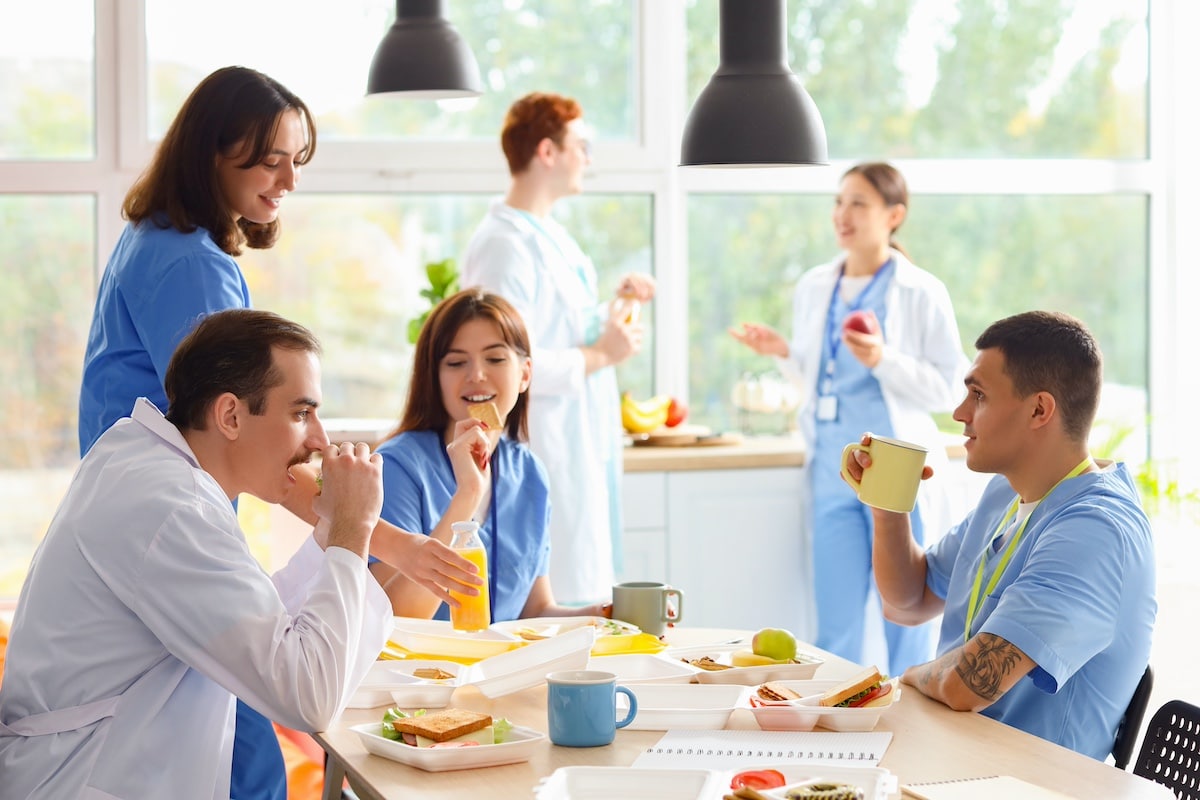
1077 597
158 284
418 484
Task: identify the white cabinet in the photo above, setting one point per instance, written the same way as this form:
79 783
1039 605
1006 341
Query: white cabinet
730 540
644 534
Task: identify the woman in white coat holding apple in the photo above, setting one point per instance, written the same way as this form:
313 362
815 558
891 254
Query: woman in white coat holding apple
521 253
875 343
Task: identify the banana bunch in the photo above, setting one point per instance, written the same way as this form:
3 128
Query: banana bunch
646 415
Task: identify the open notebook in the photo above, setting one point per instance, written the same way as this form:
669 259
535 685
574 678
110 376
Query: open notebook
681 749
994 787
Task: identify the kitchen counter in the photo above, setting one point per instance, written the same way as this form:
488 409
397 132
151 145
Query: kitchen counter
752 452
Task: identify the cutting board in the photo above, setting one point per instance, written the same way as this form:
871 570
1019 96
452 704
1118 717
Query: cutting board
685 436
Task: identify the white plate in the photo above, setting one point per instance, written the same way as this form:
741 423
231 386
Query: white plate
538 628
746 676
435 637
529 665
804 714
877 783
682 706
642 668
519 747
627 783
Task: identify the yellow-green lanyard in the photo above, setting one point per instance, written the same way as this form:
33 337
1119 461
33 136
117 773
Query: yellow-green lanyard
976 600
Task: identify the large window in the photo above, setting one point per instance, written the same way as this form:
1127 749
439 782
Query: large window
965 79
322 51
997 255
1031 131
47 81
48 249
352 267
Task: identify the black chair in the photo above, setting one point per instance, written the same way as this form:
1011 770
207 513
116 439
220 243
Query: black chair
1131 721
1170 753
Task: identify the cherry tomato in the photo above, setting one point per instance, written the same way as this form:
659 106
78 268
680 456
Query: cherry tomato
758 779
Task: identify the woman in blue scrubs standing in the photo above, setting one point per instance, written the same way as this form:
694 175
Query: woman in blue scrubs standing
888 382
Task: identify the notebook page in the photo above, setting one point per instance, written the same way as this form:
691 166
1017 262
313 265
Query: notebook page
994 787
729 749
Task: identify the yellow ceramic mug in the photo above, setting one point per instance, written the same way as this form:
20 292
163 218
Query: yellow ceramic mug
892 480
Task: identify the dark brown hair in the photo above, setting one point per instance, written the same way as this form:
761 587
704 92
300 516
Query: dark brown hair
233 106
424 410
891 186
230 351
531 119
1047 351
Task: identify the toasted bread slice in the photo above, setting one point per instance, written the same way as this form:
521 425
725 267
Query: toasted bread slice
776 691
444 725
854 686
487 413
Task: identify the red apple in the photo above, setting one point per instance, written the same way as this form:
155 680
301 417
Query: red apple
676 413
861 321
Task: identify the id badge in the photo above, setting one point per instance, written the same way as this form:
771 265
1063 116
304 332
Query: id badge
827 408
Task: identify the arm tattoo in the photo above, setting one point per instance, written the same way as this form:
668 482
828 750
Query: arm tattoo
984 671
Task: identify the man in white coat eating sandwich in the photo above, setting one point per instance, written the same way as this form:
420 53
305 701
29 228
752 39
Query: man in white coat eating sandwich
144 613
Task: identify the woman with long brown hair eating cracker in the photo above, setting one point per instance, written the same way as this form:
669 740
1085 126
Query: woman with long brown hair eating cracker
459 454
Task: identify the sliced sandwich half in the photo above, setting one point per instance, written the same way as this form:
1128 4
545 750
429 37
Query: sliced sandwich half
867 688
447 725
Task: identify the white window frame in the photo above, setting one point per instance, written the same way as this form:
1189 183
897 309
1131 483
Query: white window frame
649 166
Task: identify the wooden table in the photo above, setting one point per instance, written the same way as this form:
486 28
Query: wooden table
930 742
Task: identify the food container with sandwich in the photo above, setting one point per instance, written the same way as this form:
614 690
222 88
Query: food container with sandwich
449 739
715 664
803 705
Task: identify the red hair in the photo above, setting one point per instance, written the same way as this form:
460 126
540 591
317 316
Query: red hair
531 119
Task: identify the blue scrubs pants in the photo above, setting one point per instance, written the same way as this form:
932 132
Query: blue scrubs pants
842 534
258 771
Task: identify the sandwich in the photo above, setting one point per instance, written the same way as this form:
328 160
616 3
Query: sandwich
776 692
867 688
445 726
487 413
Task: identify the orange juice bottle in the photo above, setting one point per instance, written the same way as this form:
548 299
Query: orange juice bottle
474 614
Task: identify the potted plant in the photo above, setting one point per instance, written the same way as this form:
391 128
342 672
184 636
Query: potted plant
443 282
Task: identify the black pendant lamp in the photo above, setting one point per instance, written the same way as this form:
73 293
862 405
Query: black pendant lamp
422 56
754 112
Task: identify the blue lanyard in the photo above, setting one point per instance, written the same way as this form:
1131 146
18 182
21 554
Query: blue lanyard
832 330
493 549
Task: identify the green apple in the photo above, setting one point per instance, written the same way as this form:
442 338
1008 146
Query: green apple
774 643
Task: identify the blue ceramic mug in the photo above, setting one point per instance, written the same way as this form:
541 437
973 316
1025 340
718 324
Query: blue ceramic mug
582 707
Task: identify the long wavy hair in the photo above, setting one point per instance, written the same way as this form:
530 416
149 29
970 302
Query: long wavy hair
180 188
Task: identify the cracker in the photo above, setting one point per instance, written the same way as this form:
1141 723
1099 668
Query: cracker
487 413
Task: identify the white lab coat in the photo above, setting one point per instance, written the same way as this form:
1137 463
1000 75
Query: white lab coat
921 370
574 418
144 614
